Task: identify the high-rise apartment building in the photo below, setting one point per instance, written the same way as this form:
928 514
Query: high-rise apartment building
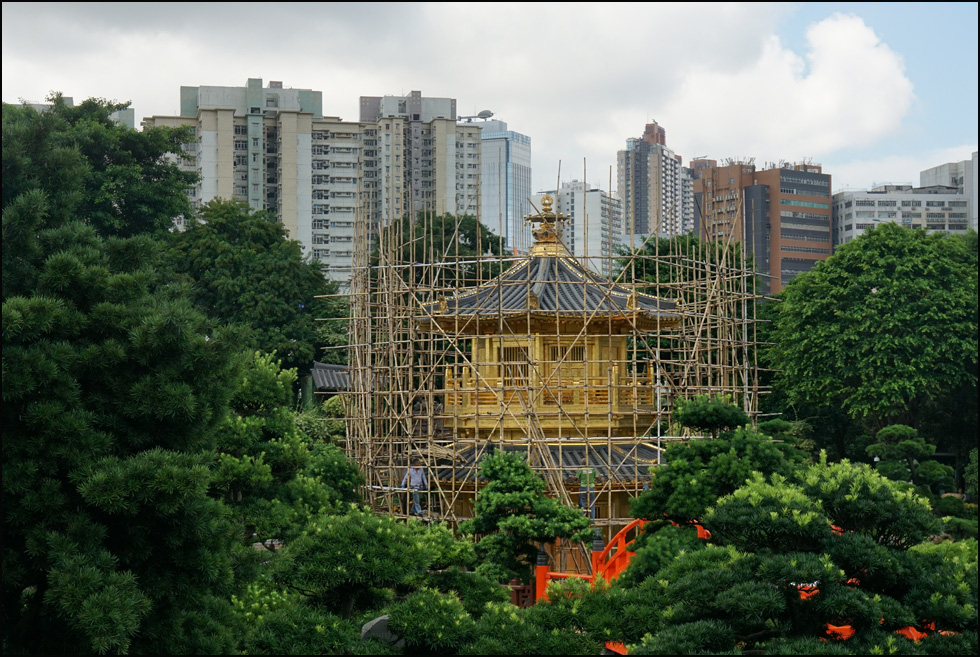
256 145
782 215
425 160
271 147
505 183
937 209
595 229
650 183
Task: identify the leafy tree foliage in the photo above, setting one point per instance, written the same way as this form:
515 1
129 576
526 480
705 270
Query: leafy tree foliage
793 438
432 622
245 272
331 327
849 539
885 330
447 240
118 180
270 621
710 415
474 590
696 473
274 477
324 422
901 454
112 385
515 515
341 560
571 622
971 476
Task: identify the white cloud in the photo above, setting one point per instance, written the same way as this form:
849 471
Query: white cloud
849 90
578 79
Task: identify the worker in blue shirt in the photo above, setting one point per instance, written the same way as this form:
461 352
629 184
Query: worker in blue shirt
586 480
416 480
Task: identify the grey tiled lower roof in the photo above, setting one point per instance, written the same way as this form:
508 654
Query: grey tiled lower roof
330 377
619 462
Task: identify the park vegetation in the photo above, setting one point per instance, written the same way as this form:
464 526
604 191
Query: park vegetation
162 493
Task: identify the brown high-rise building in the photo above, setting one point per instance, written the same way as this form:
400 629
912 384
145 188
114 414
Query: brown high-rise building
651 186
782 214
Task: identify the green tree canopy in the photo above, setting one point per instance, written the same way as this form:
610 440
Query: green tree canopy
886 331
275 478
694 475
840 545
698 472
515 515
245 272
118 180
970 475
113 384
710 415
340 560
901 454
448 241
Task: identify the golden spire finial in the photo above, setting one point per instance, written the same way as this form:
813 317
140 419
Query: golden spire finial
548 230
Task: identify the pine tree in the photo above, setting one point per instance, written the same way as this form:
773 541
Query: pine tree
112 386
275 478
515 515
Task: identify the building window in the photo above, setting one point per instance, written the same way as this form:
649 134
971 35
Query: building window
804 204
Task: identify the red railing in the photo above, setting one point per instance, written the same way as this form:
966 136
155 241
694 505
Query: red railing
608 563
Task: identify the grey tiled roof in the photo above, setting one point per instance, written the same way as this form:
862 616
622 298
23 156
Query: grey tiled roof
330 377
551 284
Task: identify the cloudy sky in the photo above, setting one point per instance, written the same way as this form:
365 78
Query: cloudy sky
873 91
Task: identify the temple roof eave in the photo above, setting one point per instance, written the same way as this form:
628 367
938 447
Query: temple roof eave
490 324
549 285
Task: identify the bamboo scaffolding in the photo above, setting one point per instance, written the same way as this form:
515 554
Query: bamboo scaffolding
556 388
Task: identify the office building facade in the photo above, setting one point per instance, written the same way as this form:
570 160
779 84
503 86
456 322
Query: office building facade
782 215
505 183
960 176
425 161
937 209
272 148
